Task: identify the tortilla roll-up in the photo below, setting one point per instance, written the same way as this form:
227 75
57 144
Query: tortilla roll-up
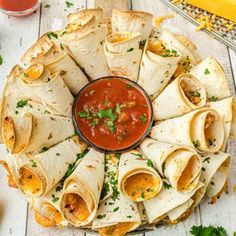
180 165
123 54
28 127
227 110
47 212
201 129
38 174
186 48
132 21
88 51
168 199
181 96
117 215
81 191
158 64
57 61
214 173
138 180
212 76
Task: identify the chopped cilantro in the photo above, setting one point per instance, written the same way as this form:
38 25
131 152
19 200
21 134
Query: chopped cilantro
101 216
33 163
130 49
21 103
83 114
47 6
149 163
129 216
143 118
129 86
195 93
1 60
206 71
142 195
166 185
208 231
116 209
52 35
118 108
137 154
69 4
54 199
44 149
213 99
94 122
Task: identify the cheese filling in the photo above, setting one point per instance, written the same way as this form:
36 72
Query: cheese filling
141 186
29 182
11 181
208 129
119 229
52 218
33 72
75 208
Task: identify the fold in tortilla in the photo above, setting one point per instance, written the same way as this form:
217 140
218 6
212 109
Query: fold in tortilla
132 21
36 175
57 60
81 191
88 51
186 48
180 165
227 110
201 129
166 201
181 96
214 173
28 127
123 54
117 215
138 180
158 64
210 73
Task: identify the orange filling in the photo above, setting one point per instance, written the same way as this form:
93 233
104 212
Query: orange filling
33 72
142 186
119 39
47 221
119 229
208 128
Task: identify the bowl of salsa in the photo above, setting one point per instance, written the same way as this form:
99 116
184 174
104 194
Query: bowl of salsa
112 114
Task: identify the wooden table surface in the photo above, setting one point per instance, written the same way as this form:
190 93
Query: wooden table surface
17 34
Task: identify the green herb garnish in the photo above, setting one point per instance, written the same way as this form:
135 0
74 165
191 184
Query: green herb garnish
130 49
206 71
137 154
1 60
208 231
52 35
150 163
54 199
143 118
33 163
69 4
213 99
44 149
47 6
21 103
101 216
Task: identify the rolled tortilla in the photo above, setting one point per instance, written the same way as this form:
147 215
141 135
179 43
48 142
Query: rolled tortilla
201 129
123 54
183 95
88 51
57 60
187 49
117 215
138 180
211 75
227 110
167 200
215 171
132 21
36 175
28 127
158 64
180 165
81 191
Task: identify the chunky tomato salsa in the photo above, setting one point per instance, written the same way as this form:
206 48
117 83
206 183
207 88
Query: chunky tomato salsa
112 113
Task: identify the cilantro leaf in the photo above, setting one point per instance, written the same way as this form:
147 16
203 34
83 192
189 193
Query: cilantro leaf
208 231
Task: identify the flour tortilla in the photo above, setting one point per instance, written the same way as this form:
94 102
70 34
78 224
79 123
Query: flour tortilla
133 164
176 98
88 52
227 111
86 182
155 70
211 75
167 200
189 130
172 162
49 167
216 168
123 54
132 21
126 212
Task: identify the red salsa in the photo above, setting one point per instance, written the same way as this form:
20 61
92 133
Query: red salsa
112 113
17 5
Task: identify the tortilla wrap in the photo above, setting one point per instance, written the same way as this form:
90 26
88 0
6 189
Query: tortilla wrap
167 200
81 191
132 21
88 51
138 180
210 73
123 54
227 110
158 64
37 175
28 127
201 129
186 48
180 165
215 171
181 96
117 215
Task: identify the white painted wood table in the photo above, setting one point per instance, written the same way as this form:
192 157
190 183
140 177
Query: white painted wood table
17 34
